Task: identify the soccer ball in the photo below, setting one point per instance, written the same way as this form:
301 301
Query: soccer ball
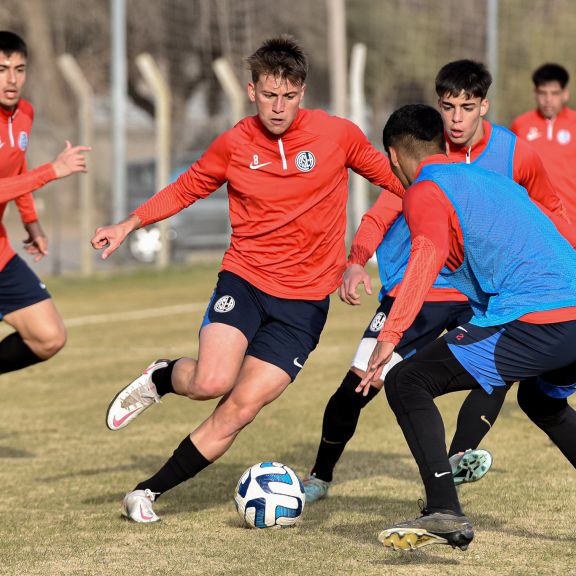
269 495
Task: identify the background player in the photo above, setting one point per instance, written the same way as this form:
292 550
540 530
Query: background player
498 247
287 175
462 88
550 129
25 303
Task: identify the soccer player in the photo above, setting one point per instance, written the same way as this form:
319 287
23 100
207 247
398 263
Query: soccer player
519 274
550 129
462 88
25 303
287 174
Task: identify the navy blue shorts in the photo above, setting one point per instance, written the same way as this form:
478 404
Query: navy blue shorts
279 331
19 287
497 355
432 320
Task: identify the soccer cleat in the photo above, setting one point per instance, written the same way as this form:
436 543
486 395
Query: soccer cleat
470 466
430 528
132 400
137 506
315 489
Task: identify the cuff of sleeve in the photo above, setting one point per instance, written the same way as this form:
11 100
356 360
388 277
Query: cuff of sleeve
389 336
45 173
359 256
143 221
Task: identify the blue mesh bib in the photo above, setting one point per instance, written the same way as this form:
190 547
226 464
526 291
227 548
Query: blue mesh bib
394 250
515 260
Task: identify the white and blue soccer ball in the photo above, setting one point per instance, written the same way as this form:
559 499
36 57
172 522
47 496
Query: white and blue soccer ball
269 495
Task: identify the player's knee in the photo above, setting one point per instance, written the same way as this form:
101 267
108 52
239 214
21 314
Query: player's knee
245 414
393 385
50 342
208 387
542 409
406 388
347 391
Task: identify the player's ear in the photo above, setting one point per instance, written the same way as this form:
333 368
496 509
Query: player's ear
251 92
565 96
484 106
393 155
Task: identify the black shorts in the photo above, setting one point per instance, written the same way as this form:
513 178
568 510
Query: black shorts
432 320
279 331
497 355
19 287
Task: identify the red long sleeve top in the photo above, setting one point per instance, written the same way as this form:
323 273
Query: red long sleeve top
16 182
528 171
437 241
555 142
287 199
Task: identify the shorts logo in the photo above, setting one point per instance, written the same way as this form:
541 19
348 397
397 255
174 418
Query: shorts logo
564 137
23 141
305 161
378 322
224 304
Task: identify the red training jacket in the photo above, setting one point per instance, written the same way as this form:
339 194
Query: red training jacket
287 199
15 181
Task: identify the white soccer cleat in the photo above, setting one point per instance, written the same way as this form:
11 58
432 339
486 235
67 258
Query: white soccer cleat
137 506
132 400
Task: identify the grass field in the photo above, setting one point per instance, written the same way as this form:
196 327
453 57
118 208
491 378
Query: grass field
63 474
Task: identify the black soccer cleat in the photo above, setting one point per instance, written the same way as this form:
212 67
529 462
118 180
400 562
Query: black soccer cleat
430 528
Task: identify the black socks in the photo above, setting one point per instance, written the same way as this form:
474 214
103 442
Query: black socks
162 378
15 354
340 420
185 462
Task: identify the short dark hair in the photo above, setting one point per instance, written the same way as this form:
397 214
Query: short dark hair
550 73
468 76
417 127
281 57
11 43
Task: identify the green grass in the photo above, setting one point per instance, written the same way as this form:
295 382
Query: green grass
63 474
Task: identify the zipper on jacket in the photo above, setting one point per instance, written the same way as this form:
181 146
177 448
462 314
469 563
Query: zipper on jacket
550 129
10 133
283 156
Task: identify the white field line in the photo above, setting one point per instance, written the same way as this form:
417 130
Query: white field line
127 316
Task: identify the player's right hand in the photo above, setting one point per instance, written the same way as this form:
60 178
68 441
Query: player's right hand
353 276
70 160
108 238
381 355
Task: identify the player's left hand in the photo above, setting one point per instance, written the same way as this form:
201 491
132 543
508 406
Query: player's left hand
37 243
381 355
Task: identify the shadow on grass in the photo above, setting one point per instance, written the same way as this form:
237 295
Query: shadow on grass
9 452
214 487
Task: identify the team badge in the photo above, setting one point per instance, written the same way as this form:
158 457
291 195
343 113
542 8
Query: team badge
23 141
564 137
377 322
224 304
305 161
